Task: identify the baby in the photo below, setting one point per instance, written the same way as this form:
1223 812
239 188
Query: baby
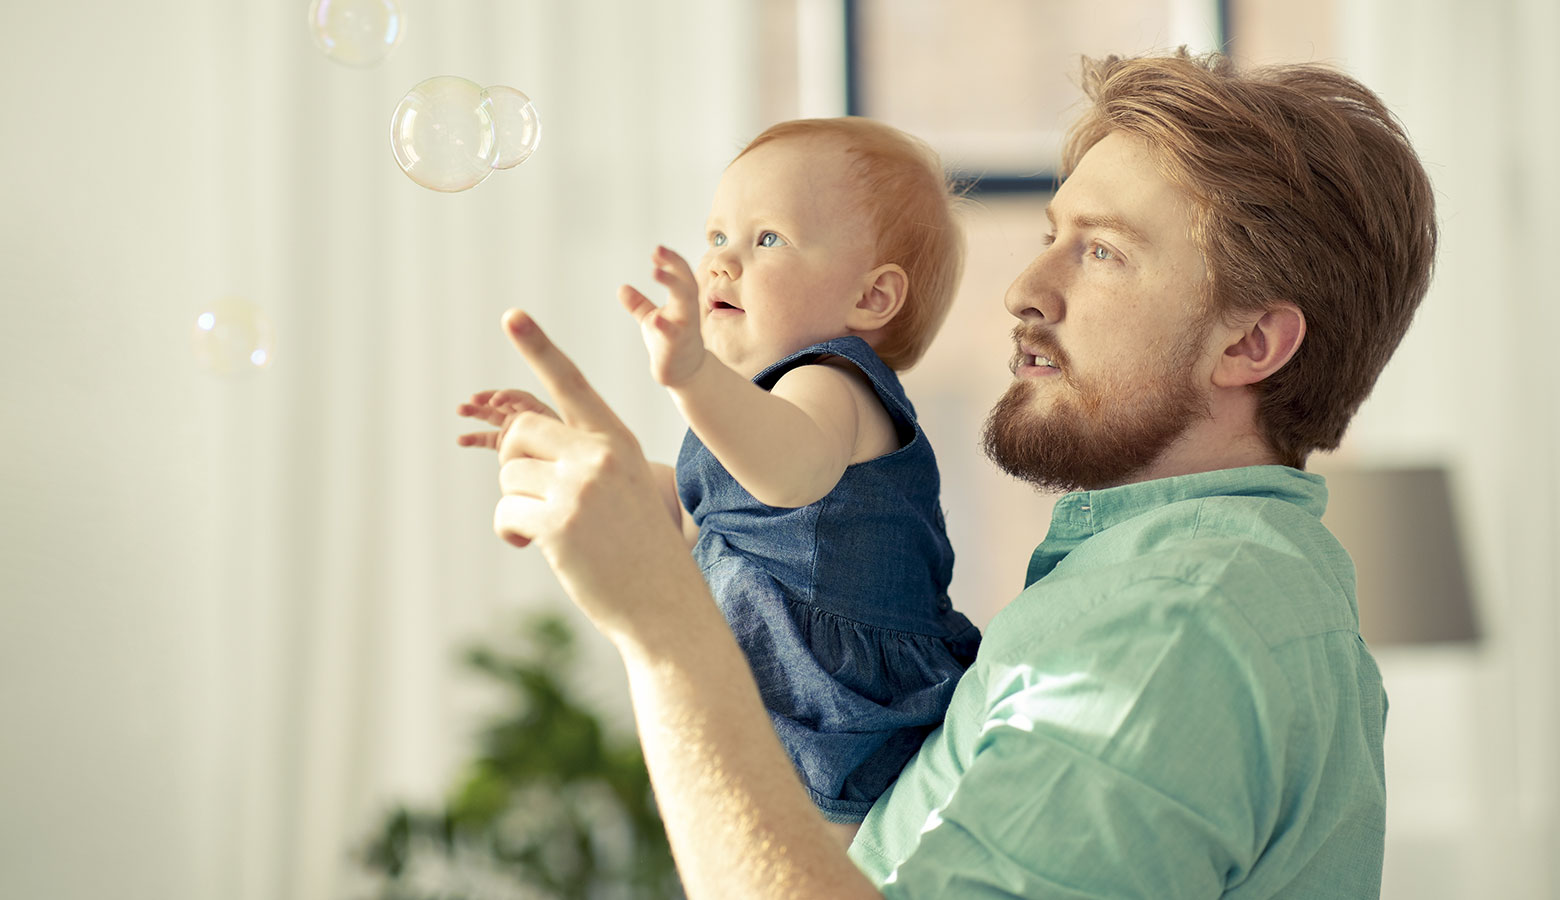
808 490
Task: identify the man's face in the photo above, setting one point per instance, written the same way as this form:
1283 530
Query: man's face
1112 363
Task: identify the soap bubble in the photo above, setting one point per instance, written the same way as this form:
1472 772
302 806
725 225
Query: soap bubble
515 125
232 336
356 32
442 134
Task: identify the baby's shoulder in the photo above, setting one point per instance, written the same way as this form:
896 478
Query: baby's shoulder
876 434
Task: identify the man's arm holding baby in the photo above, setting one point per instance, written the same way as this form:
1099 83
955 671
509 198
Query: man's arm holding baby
739 821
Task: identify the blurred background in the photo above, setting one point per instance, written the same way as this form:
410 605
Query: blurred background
232 605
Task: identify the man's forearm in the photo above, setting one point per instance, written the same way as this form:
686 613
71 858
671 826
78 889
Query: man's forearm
739 820
740 824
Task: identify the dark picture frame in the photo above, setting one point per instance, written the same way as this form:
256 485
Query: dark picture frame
1001 172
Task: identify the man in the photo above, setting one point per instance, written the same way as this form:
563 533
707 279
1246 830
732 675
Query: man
1179 703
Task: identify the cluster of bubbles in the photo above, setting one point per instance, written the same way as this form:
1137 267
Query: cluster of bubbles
231 337
448 133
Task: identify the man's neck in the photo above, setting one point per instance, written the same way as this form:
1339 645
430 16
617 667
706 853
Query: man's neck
1227 439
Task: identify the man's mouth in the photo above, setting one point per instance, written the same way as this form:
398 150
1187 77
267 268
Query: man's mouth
1030 361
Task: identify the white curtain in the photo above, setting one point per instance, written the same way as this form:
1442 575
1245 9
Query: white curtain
231 607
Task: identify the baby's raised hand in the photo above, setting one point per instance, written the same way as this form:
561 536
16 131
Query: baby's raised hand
671 332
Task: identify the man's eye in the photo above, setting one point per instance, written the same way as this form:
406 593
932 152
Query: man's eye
717 239
1101 251
770 239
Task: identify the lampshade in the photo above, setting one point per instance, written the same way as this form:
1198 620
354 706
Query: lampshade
1399 526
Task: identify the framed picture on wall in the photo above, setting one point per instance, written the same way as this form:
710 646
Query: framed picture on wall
992 84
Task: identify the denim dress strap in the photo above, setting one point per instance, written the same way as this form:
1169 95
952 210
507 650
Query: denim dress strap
884 380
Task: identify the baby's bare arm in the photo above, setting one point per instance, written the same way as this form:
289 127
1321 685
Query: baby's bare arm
788 446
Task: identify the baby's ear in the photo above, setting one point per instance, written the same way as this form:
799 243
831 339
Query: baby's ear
881 298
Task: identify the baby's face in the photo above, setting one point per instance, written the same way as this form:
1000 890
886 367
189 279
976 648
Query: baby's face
788 253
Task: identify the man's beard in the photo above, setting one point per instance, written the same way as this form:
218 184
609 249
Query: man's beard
1096 435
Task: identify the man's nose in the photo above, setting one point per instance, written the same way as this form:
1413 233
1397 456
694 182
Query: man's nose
1036 294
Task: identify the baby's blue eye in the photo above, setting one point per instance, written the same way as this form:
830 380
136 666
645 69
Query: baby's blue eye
770 239
717 239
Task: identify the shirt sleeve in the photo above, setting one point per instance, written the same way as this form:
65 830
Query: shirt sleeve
1138 756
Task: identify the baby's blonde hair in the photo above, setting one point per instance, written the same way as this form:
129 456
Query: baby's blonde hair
912 207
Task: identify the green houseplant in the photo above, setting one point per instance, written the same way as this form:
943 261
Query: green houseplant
553 805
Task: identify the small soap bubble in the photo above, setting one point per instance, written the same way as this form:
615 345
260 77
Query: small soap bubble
442 134
515 125
356 32
232 336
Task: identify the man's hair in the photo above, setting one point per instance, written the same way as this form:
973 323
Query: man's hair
1304 189
912 208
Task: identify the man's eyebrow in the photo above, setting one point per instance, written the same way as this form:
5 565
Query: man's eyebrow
1104 221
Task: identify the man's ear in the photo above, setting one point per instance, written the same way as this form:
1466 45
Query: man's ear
1258 347
881 299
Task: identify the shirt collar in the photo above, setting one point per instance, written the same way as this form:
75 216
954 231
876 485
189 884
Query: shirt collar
1082 514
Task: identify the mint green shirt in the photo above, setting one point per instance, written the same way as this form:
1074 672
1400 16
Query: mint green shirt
1177 705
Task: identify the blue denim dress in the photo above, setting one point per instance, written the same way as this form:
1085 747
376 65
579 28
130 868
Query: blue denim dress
841 606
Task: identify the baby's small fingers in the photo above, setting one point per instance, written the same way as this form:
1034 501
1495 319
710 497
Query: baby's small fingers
668 327
513 396
676 278
487 439
671 261
494 407
493 415
635 302
673 273
507 397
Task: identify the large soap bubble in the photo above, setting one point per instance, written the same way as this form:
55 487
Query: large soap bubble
442 134
356 32
231 336
515 124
